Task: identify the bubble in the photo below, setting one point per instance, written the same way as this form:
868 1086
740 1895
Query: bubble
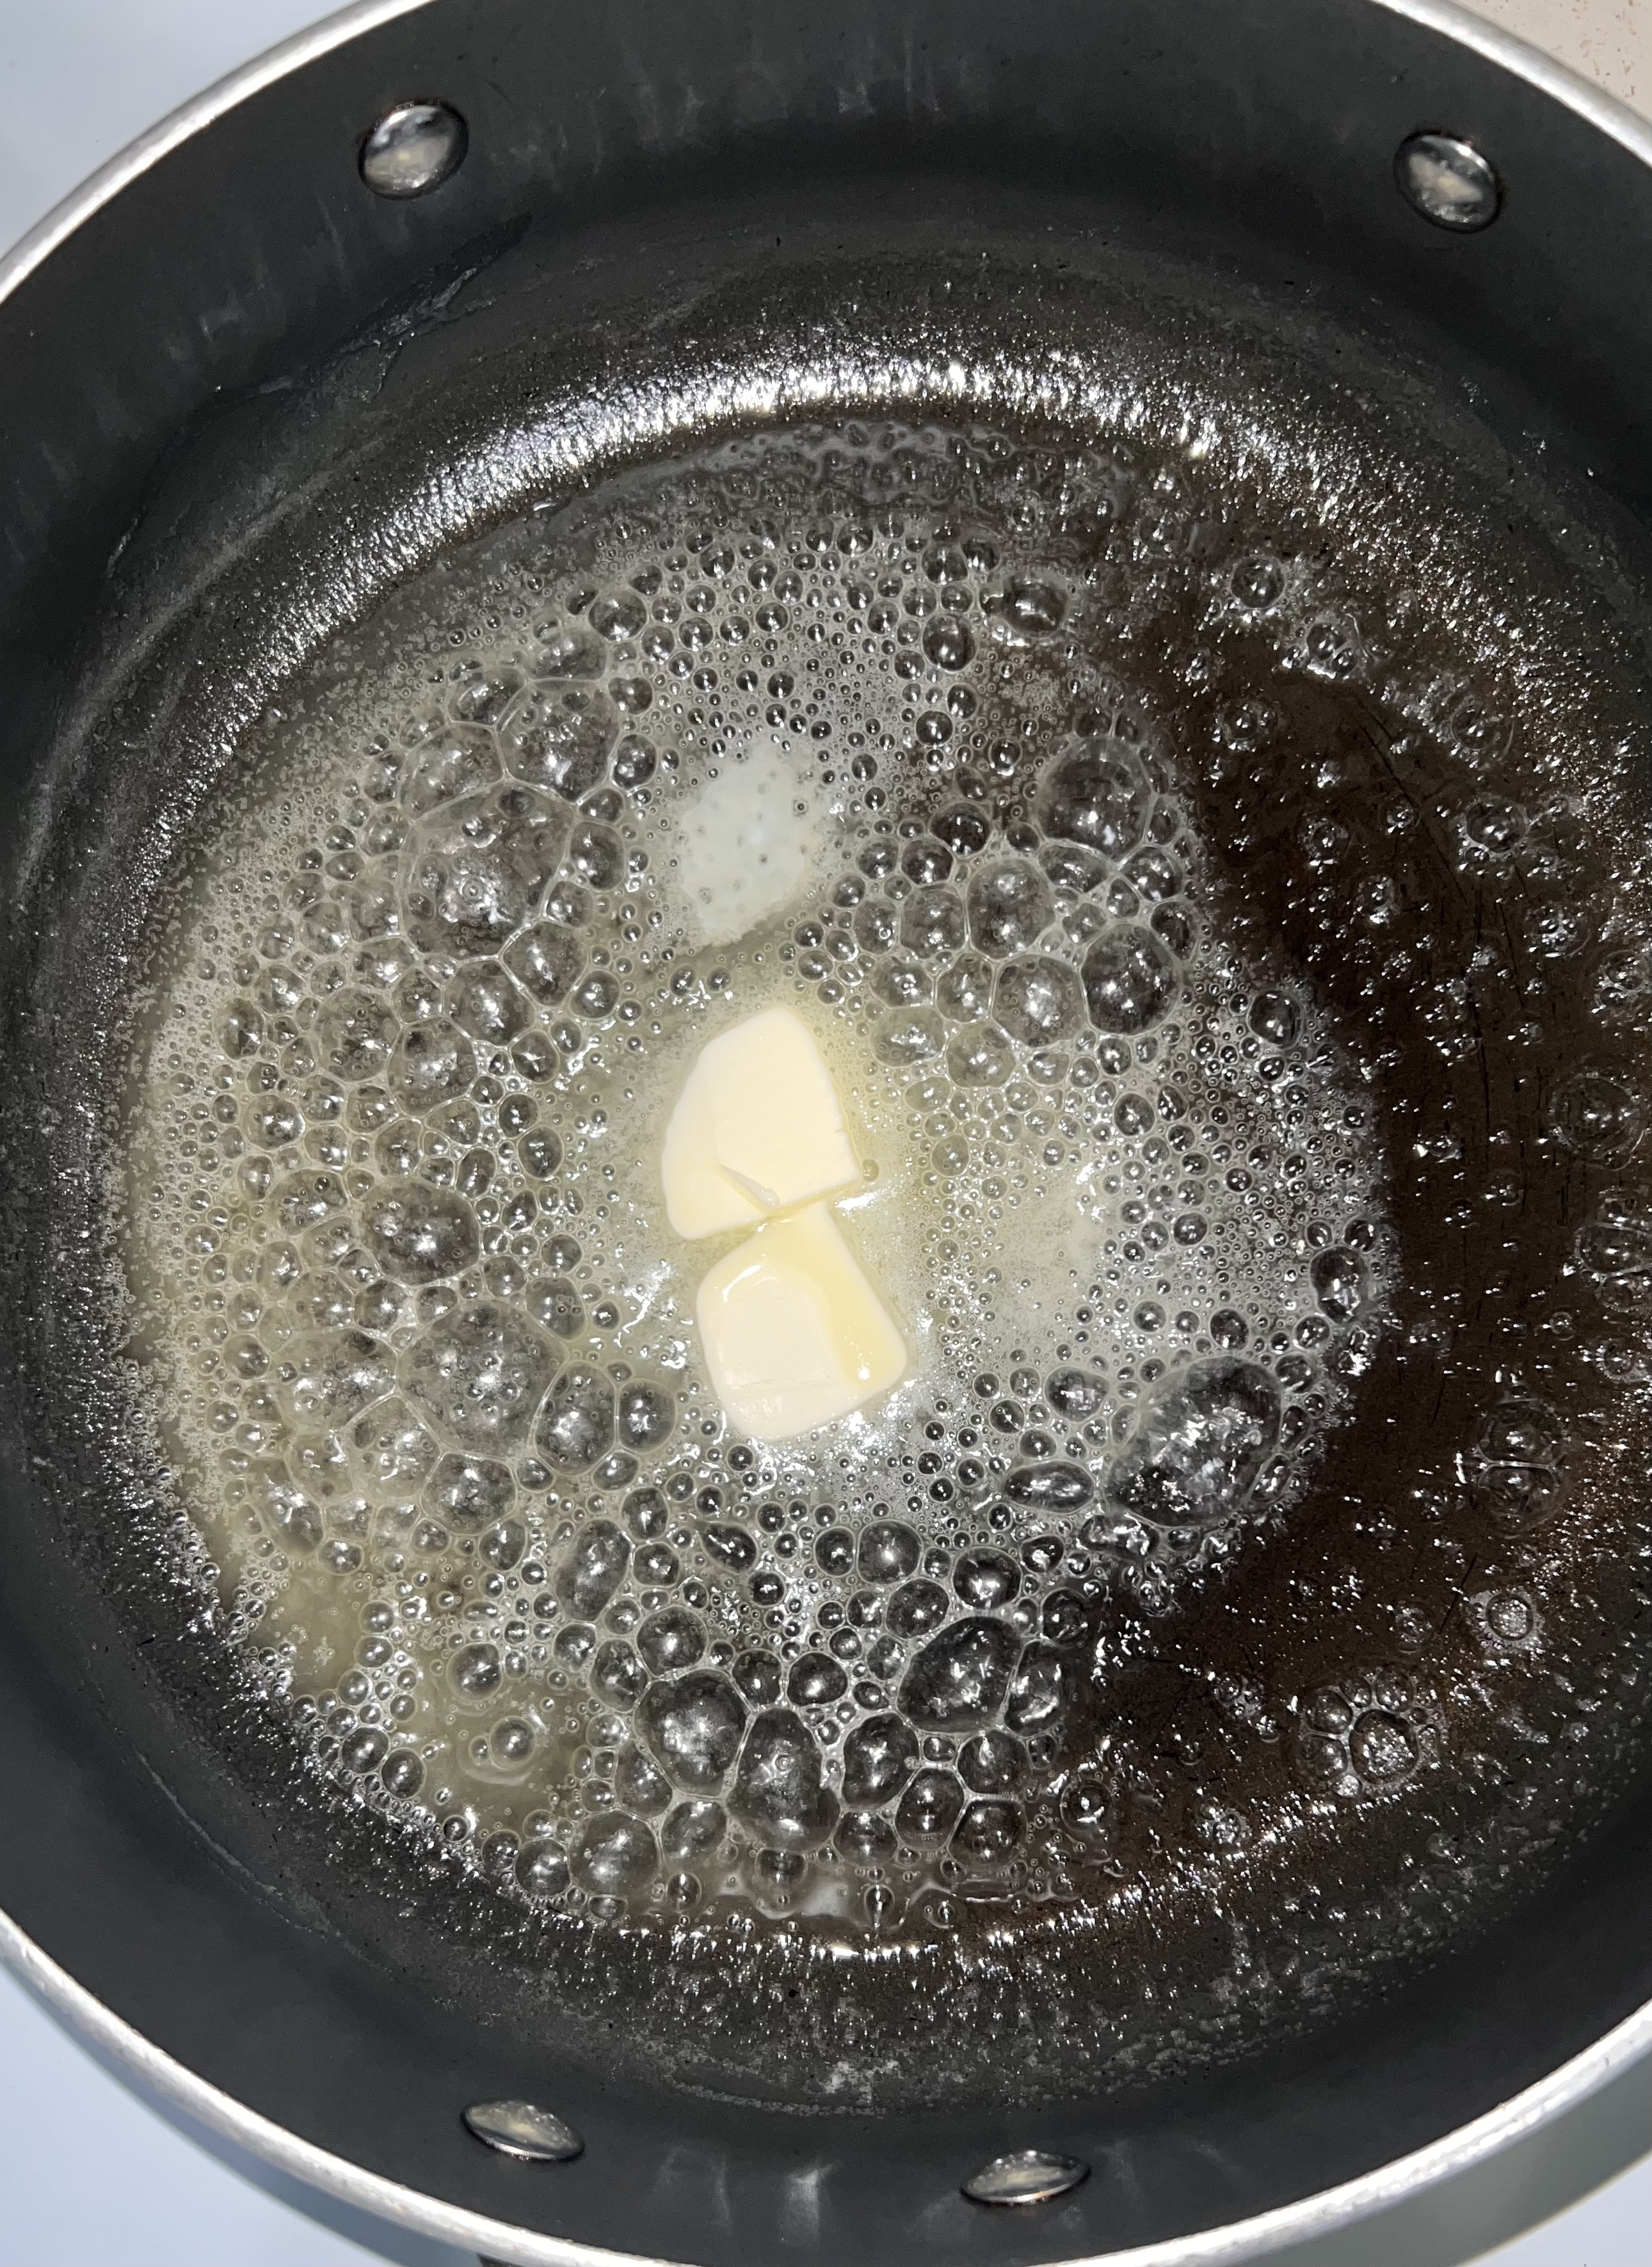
363 1751
1087 1810
1614 1250
1597 1115
577 1427
334 1378
691 1725
958 1679
556 1306
1042 1689
431 1064
888 1550
916 1609
635 761
1333 648
639 1785
1096 794
1519 1498
815 1680
779 1794
1198 1444
1038 1001
986 1579
575 1645
909 1035
615 1856
1382 1747
1492 825
989 1833
1130 979
419 1234
880 1756
356 1033
467 1492
903 984
616 1673
1507 1622
539 1153
596 855
1522 1432
449 766
1274 1016
962 828
305 1199
402 1773
671 1640
757 1674
965 989
275 1120
1054 1486
865 1838
475 1671
510 1743
479 1374
948 643
980 1054
1010 905
730 1546
1257 582
1070 866
693 1829
486 1006
1342 1283
932 920
876 925
592 1570
647 1415
546 960
478 870
542 1869
1028 610
929 1810
503 1545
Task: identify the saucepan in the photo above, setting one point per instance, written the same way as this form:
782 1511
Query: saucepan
416 273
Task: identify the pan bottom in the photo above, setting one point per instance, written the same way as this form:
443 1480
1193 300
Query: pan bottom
1223 921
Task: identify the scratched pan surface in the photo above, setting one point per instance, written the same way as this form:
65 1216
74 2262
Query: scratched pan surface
243 399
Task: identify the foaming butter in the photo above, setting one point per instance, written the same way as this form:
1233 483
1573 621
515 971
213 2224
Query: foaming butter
792 1334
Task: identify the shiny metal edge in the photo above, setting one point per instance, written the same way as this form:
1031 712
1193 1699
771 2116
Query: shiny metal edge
1586 100
189 118
83 2013
1540 70
1224 2247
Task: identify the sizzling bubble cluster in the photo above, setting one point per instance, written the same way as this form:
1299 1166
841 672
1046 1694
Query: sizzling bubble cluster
848 720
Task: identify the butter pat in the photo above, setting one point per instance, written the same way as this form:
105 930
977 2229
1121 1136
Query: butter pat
793 1334
757 1129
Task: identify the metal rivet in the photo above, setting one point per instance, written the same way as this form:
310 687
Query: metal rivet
1448 181
1025 2176
520 2129
414 149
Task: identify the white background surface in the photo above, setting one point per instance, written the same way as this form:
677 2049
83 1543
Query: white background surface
90 2176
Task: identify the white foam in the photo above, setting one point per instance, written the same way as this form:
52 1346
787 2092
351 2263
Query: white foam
745 845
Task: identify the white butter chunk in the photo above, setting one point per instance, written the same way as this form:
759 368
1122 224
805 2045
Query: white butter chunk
757 1129
793 1334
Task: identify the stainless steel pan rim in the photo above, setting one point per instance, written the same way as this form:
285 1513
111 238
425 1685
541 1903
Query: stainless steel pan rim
159 2072
1313 2216
1542 71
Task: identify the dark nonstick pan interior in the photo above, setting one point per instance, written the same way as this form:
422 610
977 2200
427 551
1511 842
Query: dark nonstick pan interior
247 399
